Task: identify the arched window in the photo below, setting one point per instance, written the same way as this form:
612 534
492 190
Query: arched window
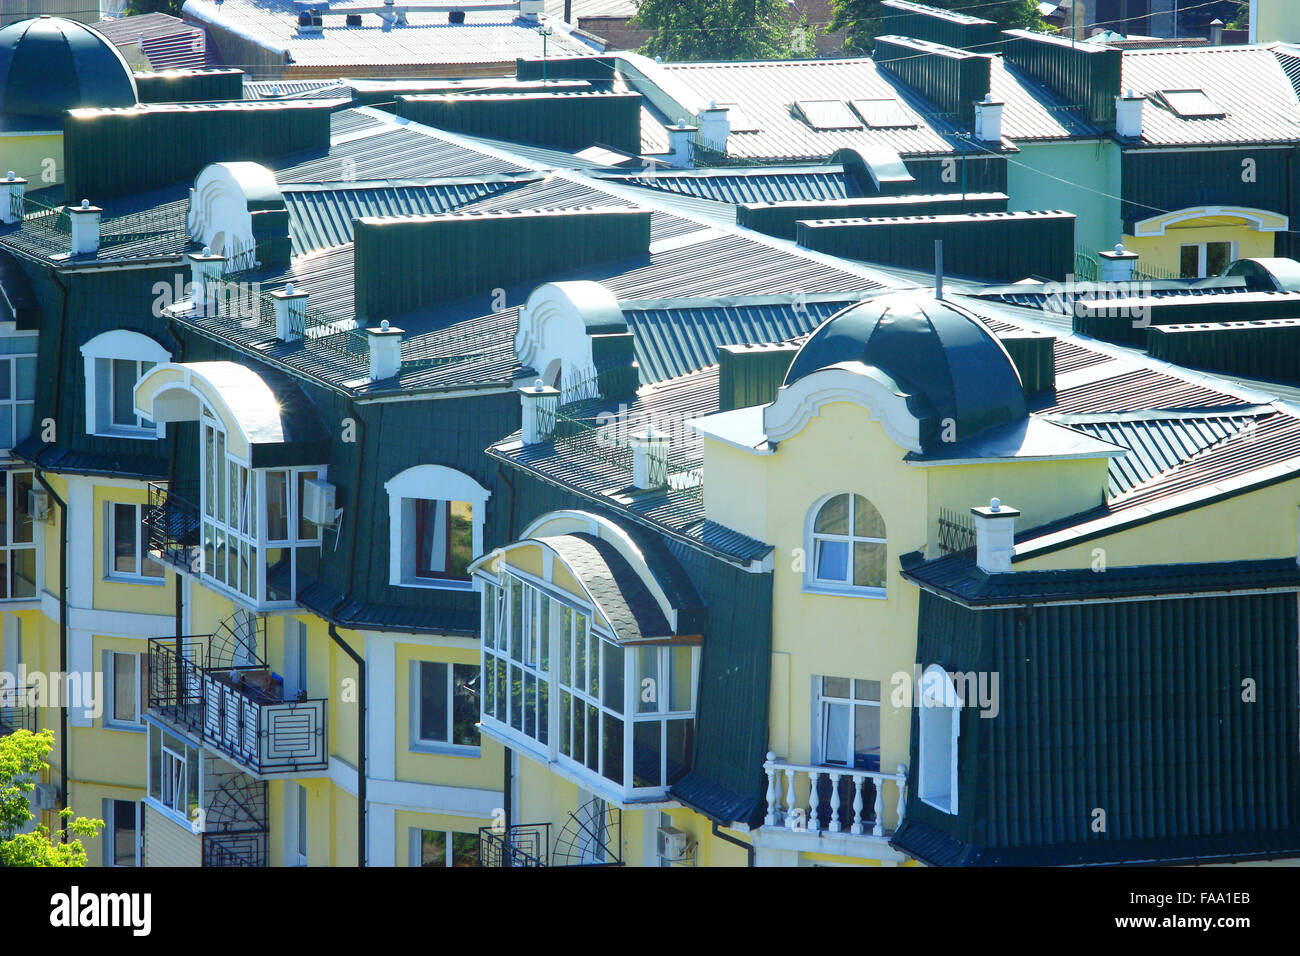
435 526
115 362
940 727
847 546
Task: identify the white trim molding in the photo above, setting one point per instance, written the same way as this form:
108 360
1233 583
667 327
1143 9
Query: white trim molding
855 382
116 345
434 483
1260 220
556 326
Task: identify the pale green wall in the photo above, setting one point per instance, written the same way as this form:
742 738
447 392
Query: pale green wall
1082 170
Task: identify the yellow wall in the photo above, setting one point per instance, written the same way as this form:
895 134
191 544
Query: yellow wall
1163 253
36 157
144 598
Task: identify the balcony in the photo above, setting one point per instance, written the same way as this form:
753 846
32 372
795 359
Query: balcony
174 524
16 712
592 835
233 704
843 806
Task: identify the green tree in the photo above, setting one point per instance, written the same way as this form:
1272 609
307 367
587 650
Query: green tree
721 30
860 19
22 757
172 7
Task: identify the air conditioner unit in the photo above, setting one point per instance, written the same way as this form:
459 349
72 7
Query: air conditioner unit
318 502
45 796
38 504
672 844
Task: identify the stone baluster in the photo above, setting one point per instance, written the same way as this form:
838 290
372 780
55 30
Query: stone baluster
772 808
789 794
835 802
902 790
858 780
813 823
878 827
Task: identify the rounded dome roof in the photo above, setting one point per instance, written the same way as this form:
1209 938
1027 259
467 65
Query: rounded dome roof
48 65
949 363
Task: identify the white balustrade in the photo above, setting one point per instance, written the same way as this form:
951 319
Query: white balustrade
784 809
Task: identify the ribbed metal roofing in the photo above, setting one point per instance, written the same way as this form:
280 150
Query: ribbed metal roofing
1247 83
675 338
1033 112
1139 388
1157 444
389 152
321 216
766 184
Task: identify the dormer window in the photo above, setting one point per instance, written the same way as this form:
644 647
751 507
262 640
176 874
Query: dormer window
115 362
435 527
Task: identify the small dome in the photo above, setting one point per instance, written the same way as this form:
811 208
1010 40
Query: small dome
48 65
948 362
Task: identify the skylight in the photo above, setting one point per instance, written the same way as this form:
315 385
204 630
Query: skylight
739 119
828 114
884 114
1190 104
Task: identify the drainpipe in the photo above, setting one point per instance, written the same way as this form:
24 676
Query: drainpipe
63 635
510 498
728 838
361 740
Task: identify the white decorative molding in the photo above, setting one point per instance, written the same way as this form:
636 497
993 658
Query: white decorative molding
797 404
554 336
1261 220
107 346
438 483
219 217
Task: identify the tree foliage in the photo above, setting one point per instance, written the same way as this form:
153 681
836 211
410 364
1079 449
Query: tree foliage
22 758
860 19
722 30
172 7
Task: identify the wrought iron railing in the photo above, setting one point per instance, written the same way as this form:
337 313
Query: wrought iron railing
174 523
235 849
956 532
237 709
1086 268
527 845
16 711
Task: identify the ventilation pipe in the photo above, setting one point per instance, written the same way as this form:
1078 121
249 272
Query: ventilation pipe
995 537
11 198
85 228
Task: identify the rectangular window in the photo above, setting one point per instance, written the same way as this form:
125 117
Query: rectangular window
849 717
120 833
125 688
128 539
302 823
443 848
446 704
17 389
174 775
17 538
444 539
1204 259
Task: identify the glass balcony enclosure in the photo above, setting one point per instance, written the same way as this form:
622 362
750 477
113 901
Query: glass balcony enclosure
620 718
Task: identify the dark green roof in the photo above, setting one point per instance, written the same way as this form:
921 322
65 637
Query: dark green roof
48 65
951 366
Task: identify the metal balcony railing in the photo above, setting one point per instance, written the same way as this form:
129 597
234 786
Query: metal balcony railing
235 849
237 710
16 713
174 524
527 845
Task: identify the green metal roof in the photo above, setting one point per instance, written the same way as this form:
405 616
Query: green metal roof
48 65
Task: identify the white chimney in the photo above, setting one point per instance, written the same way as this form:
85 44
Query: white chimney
681 144
531 10
385 351
988 119
290 313
11 198
205 274
715 127
995 537
538 403
85 228
1119 265
649 458
1216 32
1128 115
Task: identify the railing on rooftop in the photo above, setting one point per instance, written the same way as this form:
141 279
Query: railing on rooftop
808 799
956 532
50 227
1086 268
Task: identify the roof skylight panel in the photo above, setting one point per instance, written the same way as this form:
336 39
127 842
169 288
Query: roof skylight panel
828 114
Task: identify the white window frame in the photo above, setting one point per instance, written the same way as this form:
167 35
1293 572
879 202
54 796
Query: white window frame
195 825
142 559
296 654
813 583
12 405
939 723
428 483
418 744
822 702
496 630
110 692
302 817
109 849
252 530
1203 254
17 515
121 345
416 848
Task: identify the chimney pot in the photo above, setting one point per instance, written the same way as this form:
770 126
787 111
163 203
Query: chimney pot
1117 266
85 228
11 199
649 458
995 537
988 119
290 313
538 403
1128 114
681 145
715 127
385 351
